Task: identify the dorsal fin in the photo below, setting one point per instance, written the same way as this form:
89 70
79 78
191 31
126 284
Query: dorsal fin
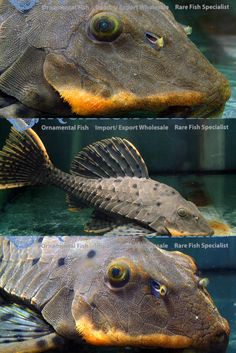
110 158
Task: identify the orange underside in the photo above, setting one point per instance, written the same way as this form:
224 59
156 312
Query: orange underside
85 103
117 338
220 228
176 233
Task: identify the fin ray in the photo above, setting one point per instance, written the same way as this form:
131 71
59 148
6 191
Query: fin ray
21 159
19 323
101 223
110 158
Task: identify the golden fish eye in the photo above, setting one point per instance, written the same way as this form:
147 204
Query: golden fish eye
182 212
118 274
105 27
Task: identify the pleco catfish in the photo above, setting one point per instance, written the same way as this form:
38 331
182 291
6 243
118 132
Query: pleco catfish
106 291
97 58
109 176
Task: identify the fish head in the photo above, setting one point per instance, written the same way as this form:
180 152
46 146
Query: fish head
179 217
125 56
147 297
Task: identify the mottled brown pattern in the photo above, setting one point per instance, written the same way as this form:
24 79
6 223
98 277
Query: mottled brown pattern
78 290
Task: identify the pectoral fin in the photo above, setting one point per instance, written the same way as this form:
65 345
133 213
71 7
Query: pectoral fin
130 229
80 90
101 223
74 204
24 331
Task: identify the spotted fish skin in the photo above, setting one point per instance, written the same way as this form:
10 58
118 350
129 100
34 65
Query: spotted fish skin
110 176
69 282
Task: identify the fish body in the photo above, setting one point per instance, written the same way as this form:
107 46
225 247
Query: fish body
64 58
106 291
110 176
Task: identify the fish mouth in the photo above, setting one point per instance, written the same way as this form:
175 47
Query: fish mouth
113 337
213 106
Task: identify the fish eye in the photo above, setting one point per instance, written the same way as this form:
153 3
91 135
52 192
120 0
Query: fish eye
105 27
118 275
157 289
182 212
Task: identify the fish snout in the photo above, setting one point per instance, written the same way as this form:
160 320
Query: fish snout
218 95
220 337
220 342
203 227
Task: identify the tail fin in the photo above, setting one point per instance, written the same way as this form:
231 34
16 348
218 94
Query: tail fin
23 160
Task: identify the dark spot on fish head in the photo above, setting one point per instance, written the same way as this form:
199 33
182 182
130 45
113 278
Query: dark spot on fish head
132 279
135 186
158 204
61 262
41 343
35 261
91 254
57 340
